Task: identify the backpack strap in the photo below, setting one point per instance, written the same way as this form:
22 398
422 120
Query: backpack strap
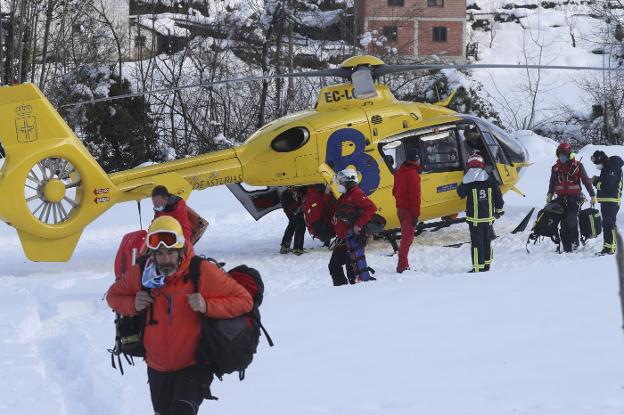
150 320
193 273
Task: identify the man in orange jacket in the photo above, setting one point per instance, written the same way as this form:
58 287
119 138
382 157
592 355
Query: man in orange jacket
406 191
172 332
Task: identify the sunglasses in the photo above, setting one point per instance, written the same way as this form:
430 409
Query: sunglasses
164 238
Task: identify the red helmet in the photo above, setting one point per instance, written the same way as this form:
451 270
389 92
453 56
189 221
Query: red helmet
564 148
475 160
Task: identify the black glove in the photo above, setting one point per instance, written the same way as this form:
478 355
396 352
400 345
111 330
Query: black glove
415 221
497 215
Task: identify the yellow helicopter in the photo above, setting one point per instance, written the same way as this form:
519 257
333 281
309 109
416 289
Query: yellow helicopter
52 188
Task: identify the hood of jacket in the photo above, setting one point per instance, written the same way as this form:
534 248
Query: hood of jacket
475 174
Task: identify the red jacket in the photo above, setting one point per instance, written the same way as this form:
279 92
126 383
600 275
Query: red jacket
171 343
357 200
176 208
406 189
565 179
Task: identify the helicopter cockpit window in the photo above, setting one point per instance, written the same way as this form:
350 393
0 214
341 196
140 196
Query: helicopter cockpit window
514 151
439 152
290 140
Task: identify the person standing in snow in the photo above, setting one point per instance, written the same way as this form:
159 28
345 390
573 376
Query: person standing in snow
406 191
291 200
565 181
166 204
353 210
609 186
171 336
484 204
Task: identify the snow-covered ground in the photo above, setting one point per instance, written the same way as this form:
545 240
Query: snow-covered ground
539 335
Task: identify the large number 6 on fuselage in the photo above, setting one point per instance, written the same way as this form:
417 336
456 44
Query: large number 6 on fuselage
364 163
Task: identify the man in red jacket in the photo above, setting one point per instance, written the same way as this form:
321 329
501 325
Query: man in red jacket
353 211
170 205
171 337
406 191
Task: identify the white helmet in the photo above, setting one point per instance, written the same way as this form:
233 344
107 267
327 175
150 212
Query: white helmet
347 175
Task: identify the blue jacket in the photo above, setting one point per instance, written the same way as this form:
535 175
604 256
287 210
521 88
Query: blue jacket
609 184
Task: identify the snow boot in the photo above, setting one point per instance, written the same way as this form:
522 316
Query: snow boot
284 249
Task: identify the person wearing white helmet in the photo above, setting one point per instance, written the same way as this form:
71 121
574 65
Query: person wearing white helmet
484 203
353 211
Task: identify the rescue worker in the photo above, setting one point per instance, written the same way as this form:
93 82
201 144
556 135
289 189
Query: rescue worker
166 204
565 181
318 209
177 386
291 199
406 191
484 204
609 186
353 210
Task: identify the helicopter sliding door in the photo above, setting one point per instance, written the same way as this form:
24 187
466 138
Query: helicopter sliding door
441 166
258 200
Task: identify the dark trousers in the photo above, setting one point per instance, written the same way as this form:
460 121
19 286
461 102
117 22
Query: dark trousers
341 257
569 222
297 227
175 393
480 244
609 211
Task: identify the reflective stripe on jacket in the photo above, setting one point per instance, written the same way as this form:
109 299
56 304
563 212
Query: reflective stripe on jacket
609 184
565 179
484 198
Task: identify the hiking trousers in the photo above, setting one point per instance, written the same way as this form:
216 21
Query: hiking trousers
341 256
297 227
406 217
609 211
175 393
569 222
481 245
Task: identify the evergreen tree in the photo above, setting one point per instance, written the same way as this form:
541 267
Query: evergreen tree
121 134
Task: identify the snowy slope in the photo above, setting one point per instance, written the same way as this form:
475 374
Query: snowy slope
540 334
541 36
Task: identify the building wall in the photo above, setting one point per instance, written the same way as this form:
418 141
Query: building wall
415 21
454 45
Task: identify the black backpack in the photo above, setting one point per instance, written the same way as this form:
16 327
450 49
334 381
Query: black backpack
547 224
228 345
129 331
225 345
590 223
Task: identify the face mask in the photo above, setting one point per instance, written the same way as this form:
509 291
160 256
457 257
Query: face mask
159 208
599 166
563 158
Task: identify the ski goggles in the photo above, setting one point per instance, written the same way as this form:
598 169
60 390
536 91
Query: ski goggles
163 238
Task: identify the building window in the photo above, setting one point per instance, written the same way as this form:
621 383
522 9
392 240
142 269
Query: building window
435 3
140 41
390 32
439 34
398 3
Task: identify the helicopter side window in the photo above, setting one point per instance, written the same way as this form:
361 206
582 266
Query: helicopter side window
290 140
440 152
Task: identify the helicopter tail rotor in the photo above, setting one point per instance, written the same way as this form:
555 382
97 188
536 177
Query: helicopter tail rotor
51 187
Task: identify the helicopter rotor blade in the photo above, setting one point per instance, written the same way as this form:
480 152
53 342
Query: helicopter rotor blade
333 72
382 70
